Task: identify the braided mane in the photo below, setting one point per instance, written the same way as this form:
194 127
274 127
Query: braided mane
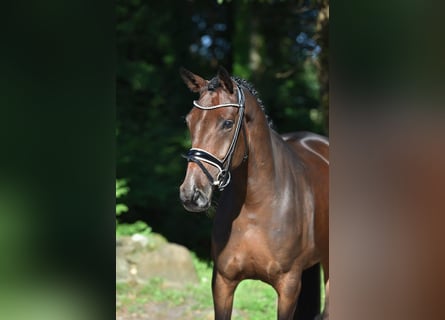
252 90
214 84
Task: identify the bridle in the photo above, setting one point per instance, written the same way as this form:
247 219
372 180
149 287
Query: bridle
198 156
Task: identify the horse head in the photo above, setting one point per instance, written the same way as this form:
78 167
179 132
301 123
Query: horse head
215 123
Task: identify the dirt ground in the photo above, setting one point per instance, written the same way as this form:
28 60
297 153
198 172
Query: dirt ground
165 311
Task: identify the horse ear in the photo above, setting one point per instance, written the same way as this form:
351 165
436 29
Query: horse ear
194 82
224 76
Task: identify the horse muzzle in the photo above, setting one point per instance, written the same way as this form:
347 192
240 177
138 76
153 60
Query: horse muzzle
194 199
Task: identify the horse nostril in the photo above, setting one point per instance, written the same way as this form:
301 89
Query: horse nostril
194 199
196 195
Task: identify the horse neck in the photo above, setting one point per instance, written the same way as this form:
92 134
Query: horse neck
260 167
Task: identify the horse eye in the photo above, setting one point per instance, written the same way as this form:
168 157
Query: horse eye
227 124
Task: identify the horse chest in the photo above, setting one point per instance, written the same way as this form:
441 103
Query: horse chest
245 256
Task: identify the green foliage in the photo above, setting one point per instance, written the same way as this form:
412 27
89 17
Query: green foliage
128 229
121 190
125 229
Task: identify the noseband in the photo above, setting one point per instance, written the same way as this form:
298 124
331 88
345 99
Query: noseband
198 156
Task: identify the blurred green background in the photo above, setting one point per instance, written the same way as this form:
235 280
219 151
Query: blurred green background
279 46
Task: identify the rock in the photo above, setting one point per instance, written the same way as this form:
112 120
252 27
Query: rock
122 269
171 262
140 258
139 238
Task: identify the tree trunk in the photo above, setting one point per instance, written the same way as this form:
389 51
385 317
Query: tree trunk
322 38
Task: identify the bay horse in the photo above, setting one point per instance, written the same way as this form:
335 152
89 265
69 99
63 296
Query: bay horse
272 220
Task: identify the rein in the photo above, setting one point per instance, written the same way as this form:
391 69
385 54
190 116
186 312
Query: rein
198 156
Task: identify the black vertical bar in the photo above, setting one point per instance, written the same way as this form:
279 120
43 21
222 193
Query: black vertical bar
309 301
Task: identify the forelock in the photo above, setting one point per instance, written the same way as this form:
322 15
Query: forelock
213 84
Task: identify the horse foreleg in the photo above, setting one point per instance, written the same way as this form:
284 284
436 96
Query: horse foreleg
223 291
288 290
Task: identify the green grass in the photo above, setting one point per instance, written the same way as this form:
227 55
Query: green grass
257 299
254 299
